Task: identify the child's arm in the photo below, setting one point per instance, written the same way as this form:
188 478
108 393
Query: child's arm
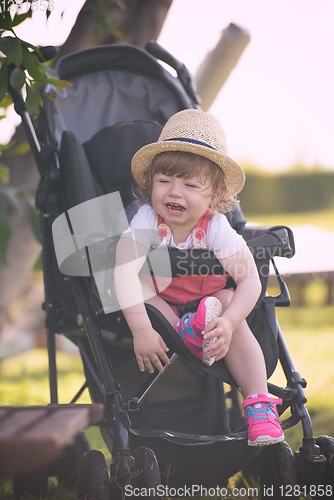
241 267
147 343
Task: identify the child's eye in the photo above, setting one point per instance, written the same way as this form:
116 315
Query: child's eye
191 185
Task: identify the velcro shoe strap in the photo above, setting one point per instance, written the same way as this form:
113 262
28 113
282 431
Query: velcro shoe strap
261 399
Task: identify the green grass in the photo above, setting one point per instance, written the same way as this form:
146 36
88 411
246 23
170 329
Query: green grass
308 333
320 218
25 378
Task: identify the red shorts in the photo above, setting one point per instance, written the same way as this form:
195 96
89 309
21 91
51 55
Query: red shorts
184 289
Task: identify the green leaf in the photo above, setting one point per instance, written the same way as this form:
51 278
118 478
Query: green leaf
19 18
7 101
49 96
49 72
19 150
33 47
32 102
62 84
33 67
4 173
17 79
58 85
2 22
55 83
7 17
5 233
3 83
12 48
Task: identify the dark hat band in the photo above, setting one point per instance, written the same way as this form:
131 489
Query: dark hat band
193 141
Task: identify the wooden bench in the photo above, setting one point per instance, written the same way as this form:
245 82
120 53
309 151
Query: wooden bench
32 437
298 282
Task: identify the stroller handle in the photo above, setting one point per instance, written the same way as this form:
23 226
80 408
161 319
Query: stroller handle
159 52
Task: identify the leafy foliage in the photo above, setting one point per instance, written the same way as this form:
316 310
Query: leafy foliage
22 69
107 14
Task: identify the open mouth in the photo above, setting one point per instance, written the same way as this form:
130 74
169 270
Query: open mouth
175 207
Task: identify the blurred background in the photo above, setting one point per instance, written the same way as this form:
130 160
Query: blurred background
265 69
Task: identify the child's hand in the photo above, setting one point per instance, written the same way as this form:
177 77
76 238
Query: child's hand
222 328
149 347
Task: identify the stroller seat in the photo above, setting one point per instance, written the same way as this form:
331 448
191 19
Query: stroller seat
103 165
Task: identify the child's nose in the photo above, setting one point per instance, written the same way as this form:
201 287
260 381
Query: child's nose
175 189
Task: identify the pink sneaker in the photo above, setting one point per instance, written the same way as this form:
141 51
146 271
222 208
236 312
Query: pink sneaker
191 325
262 420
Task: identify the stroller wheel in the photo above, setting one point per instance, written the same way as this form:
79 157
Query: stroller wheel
277 470
326 444
93 481
143 474
146 461
31 485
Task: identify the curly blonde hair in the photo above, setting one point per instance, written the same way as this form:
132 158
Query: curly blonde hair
182 164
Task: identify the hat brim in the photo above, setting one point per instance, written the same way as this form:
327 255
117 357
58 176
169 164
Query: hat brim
234 175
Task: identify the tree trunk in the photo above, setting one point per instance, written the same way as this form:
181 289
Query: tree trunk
139 22
143 21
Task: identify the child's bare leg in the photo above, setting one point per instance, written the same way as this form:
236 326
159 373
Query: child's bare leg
160 304
245 362
244 359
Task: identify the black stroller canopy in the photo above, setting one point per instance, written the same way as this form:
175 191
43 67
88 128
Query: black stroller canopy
113 84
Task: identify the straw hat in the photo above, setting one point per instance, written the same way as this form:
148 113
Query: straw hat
192 131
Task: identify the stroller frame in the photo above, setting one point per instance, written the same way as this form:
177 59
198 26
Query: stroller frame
265 243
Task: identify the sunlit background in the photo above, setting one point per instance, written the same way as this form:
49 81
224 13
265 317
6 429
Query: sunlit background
277 106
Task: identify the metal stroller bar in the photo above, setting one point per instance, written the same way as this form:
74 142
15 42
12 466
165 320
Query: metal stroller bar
78 394
87 361
46 240
114 402
295 382
135 402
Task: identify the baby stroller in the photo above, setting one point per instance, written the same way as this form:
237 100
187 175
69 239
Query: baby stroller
182 428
